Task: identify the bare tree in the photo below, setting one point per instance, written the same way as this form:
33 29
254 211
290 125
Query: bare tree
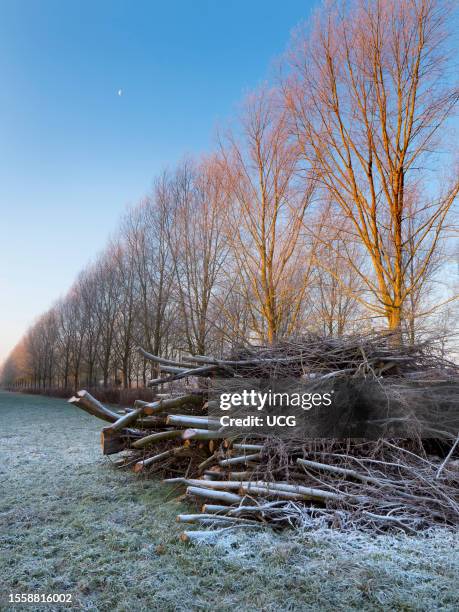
198 245
108 301
337 289
124 324
368 96
88 288
265 218
145 233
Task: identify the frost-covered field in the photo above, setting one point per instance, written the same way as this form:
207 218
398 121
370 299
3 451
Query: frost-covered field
71 523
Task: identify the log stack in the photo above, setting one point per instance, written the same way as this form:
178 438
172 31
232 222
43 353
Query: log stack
258 480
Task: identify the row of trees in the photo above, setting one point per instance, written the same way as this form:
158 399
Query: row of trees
327 208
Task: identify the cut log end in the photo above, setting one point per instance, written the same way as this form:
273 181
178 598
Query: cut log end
112 442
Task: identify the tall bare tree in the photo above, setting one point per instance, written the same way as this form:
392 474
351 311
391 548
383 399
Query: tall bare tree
368 95
264 220
199 246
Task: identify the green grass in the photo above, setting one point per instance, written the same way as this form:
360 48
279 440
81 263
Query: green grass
71 523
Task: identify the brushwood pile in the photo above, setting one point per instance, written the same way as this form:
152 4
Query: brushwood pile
251 479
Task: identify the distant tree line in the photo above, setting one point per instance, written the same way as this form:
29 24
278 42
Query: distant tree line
328 207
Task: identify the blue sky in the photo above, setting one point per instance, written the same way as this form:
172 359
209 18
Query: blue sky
74 153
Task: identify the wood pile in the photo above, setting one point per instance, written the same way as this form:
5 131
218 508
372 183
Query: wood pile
255 480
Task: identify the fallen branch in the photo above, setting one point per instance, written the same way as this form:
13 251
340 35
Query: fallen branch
448 457
190 421
242 459
203 371
89 403
202 434
230 498
212 518
162 360
334 469
173 452
124 421
157 437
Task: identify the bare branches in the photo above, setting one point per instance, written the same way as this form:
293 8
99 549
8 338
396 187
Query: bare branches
264 221
366 98
379 485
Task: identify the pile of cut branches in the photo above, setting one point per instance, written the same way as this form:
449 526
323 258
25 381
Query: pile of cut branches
312 355
258 479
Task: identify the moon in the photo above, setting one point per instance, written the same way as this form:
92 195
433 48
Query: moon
120 92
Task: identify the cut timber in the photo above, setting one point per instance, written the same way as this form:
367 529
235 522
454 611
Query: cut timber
248 447
239 475
190 420
196 482
157 437
229 475
113 441
152 408
151 422
127 419
230 498
270 492
212 518
173 452
257 477
214 474
202 434
213 508
308 493
164 405
116 441
208 519
247 486
242 459
89 403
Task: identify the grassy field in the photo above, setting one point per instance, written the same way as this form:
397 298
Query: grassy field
71 523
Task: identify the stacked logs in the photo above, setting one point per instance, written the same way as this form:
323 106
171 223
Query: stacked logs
156 424
257 480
